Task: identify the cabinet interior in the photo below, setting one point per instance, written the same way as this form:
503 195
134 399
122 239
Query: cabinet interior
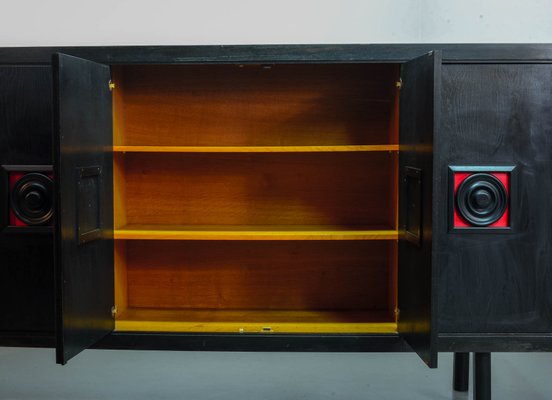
256 198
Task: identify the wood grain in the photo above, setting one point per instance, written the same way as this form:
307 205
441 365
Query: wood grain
27 299
118 107
261 189
119 191
254 149
497 283
243 321
82 138
251 232
219 105
120 269
306 275
395 109
311 157
420 104
287 53
393 280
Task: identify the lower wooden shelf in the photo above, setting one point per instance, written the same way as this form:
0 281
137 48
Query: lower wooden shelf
251 232
260 321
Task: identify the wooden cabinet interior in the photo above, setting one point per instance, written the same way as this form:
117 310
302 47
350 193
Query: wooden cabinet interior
256 198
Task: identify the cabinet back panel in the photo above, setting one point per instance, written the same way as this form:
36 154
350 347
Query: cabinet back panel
344 275
261 189
254 105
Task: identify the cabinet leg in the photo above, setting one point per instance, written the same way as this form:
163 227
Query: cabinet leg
482 376
461 372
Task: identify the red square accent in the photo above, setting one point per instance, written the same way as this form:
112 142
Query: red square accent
13 178
504 221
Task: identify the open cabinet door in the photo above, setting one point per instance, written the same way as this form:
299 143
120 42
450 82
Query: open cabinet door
419 113
83 168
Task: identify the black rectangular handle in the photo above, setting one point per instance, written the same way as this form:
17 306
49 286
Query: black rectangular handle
88 204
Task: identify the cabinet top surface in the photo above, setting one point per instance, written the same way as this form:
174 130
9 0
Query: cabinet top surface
393 53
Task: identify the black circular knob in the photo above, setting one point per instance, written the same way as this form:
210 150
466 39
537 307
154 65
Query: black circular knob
34 200
31 199
481 199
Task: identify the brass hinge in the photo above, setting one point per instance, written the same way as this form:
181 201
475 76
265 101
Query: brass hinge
397 314
111 85
398 84
113 311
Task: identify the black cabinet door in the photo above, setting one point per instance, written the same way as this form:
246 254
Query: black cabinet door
83 165
419 113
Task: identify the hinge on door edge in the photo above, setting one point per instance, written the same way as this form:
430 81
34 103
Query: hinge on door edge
111 85
113 311
397 314
398 84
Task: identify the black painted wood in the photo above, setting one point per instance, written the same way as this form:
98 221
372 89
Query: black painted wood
83 138
25 115
461 372
28 339
419 105
484 342
26 259
482 376
283 53
497 283
253 342
26 283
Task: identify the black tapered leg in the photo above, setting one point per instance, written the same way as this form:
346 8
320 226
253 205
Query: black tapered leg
461 372
482 376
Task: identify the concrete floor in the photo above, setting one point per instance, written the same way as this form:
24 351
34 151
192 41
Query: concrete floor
106 374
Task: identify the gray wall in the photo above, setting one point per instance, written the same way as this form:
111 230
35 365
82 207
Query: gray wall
97 22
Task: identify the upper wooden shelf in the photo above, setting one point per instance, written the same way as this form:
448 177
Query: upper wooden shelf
251 232
254 149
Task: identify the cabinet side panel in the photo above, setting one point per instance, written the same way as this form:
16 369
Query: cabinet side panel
497 283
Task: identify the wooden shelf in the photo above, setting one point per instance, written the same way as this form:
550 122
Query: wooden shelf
254 149
264 321
252 232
